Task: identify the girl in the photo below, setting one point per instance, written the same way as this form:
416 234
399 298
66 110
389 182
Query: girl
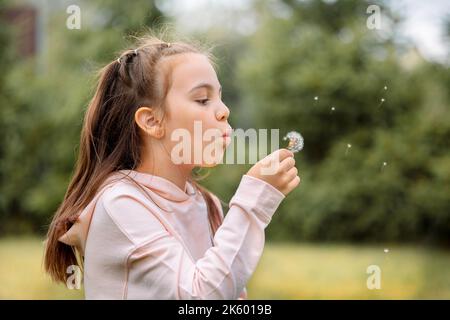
136 221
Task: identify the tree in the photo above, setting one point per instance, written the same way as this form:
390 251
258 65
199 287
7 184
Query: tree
42 125
319 70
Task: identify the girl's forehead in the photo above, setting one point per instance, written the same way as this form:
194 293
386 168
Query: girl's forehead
189 69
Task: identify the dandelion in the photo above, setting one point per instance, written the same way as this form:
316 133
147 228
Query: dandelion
295 141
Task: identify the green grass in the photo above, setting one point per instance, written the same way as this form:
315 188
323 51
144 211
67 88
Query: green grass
301 271
286 271
22 275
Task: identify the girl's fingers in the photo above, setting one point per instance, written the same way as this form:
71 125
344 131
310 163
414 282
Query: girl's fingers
287 164
291 173
277 157
294 183
281 155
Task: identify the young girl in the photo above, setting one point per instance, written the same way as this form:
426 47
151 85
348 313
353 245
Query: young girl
136 221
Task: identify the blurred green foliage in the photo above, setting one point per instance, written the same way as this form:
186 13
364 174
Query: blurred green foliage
299 51
393 184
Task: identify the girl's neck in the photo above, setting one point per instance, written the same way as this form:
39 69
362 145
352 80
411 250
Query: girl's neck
162 166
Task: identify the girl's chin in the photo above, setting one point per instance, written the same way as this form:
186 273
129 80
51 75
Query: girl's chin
212 163
209 163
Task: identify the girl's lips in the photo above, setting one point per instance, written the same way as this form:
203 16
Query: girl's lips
226 140
227 133
226 136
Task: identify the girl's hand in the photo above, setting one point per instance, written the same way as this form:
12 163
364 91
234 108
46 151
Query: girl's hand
278 169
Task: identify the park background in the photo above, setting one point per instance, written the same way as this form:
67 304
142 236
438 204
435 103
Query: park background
312 66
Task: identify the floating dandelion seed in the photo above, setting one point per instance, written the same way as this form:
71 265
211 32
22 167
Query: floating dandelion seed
386 250
384 165
382 100
316 98
348 148
332 109
295 141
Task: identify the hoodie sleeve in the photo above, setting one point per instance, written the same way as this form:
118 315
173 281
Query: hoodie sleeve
244 294
162 263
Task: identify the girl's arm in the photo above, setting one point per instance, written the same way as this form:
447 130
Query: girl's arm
244 294
161 265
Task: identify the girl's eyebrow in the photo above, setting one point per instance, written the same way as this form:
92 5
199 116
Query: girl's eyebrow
205 85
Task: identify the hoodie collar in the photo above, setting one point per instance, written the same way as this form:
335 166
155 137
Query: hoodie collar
161 186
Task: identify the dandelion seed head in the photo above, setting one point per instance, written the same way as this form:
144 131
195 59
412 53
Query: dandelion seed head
296 141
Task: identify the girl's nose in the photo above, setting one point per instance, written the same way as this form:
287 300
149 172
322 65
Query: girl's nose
223 113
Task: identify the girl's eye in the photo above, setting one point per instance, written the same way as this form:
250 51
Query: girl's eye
202 101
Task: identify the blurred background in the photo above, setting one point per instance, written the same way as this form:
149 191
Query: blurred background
370 94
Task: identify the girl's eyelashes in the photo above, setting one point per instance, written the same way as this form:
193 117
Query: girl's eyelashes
202 101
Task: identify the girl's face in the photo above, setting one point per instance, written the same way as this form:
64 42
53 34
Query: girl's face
196 119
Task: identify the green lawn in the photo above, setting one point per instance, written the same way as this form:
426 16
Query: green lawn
301 271
288 271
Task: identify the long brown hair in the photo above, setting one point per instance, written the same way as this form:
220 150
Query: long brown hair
110 139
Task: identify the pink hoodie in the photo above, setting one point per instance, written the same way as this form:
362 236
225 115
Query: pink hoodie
149 239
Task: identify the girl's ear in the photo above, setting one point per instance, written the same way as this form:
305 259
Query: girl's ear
146 119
